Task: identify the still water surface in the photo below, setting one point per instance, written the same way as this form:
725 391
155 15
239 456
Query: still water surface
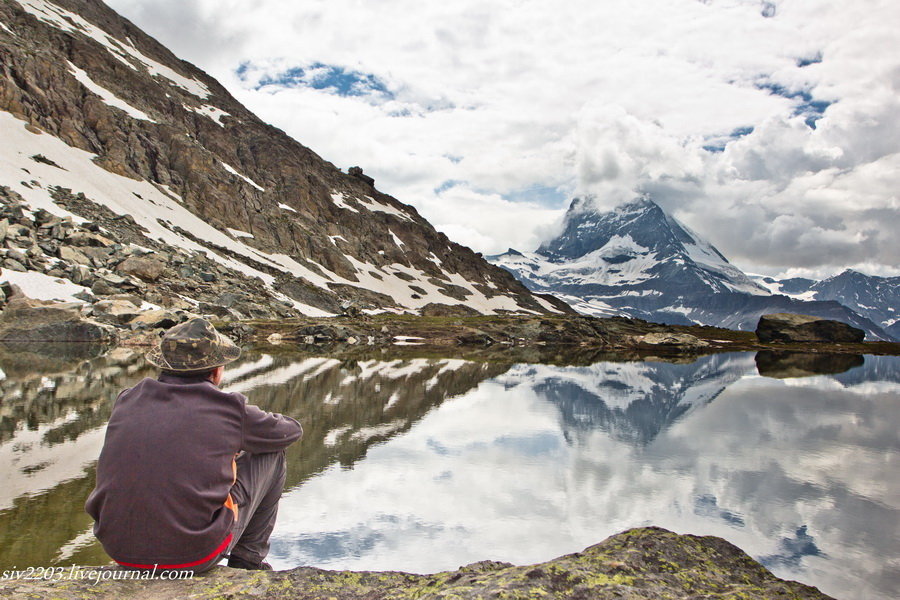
427 464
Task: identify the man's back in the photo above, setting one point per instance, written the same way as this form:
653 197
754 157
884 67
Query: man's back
167 467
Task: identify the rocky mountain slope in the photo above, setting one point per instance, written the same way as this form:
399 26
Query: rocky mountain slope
114 148
640 262
877 298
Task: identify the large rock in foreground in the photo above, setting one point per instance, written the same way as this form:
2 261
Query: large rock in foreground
788 327
647 563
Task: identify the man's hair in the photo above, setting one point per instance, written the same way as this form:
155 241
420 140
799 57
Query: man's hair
201 374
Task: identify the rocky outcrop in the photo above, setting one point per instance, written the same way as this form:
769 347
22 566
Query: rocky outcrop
789 327
28 320
648 563
120 277
680 340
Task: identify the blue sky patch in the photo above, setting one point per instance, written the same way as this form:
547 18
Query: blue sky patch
718 144
448 184
806 106
319 76
544 195
805 62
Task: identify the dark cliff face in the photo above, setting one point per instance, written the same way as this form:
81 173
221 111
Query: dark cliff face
638 261
76 70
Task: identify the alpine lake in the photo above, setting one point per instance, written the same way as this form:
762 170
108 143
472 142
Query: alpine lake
423 463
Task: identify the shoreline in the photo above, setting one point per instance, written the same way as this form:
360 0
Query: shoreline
577 333
642 564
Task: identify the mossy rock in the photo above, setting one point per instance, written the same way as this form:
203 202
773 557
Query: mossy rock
640 564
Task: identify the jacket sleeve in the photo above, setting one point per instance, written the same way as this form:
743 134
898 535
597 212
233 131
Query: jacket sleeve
267 432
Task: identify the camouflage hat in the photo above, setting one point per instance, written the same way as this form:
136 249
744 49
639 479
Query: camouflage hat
193 346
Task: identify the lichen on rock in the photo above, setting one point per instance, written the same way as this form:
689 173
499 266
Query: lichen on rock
647 563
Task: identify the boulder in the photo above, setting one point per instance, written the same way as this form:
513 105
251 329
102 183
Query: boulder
99 257
73 255
358 173
434 309
14 265
16 255
156 318
28 320
146 269
789 327
107 283
80 274
682 340
84 238
101 287
217 310
115 311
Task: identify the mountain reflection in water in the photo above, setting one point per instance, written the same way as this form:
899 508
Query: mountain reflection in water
426 464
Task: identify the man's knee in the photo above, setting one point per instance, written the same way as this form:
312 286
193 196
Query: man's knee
253 470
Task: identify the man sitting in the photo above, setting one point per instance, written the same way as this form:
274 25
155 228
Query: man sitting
188 473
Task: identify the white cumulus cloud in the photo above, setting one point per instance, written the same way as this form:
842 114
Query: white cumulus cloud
770 128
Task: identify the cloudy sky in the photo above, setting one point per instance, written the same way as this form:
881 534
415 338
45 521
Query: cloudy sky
770 128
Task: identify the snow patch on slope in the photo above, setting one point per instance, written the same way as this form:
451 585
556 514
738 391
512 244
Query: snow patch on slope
397 240
209 111
70 22
234 172
707 257
592 268
107 96
43 287
341 202
775 287
238 233
371 204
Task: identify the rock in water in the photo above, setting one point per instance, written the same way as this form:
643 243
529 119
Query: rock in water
789 327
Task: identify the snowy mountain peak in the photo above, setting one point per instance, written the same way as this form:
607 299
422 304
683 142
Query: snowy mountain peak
636 239
637 260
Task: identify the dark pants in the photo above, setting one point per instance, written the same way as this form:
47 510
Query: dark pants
260 480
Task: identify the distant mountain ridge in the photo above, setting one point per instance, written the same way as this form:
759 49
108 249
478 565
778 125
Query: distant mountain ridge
874 297
638 261
101 123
